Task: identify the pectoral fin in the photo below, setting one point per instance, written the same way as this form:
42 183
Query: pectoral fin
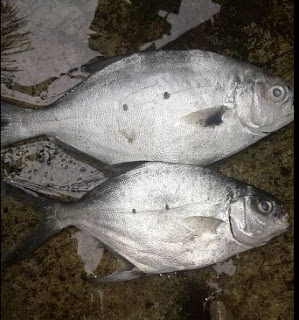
128 272
211 117
202 226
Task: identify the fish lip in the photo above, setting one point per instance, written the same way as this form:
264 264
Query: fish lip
284 230
288 118
284 222
285 225
256 130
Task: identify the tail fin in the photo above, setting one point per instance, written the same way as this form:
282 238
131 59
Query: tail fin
48 227
12 128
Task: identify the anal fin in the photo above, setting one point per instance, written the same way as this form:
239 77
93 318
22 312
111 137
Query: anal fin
118 276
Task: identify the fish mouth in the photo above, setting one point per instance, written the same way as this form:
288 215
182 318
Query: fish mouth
283 228
286 226
288 118
282 222
281 218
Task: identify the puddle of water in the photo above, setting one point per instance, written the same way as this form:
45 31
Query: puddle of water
191 14
44 167
58 34
59 42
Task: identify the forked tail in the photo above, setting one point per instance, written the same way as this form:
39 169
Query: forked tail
48 227
13 119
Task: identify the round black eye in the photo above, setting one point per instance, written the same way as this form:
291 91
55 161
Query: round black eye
276 92
265 206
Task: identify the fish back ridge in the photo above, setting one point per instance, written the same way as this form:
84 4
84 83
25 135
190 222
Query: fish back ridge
46 229
15 123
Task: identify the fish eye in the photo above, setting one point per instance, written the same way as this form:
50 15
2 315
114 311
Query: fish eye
264 206
277 93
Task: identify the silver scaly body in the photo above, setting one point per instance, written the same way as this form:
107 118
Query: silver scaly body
190 107
163 217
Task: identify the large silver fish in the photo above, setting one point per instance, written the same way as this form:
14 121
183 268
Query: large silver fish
190 107
163 217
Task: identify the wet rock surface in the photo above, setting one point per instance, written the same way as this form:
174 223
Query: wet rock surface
49 284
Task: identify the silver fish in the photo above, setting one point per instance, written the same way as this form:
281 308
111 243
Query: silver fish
162 217
190 107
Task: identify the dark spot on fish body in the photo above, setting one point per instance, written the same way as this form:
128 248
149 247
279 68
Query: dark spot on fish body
215 119
133 211
166 95
211 117
125 107
167 207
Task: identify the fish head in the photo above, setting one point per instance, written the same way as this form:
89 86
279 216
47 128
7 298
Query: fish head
256 217
265 104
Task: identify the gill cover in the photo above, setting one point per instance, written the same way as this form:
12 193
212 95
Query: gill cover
246 102
265 105
247 226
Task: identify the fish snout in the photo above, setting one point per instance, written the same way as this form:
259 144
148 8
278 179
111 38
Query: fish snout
281 217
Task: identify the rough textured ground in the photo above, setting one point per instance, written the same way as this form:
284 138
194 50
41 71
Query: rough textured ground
48 284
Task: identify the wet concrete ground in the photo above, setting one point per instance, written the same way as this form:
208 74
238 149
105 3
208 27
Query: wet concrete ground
48 284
